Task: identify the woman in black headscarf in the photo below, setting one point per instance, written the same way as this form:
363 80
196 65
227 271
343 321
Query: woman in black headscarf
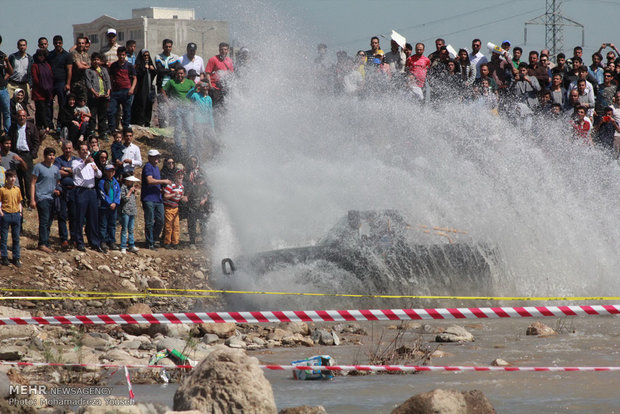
142 107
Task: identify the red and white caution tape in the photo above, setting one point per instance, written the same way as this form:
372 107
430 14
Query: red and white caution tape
58 364
364 368
320 315
421 368
129 387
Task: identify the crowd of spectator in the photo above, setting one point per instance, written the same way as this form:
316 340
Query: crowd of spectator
88 100
582 97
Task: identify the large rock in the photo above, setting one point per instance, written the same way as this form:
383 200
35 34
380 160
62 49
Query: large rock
540 329
455 334
446 402
227 381
16 331
223 330
139 328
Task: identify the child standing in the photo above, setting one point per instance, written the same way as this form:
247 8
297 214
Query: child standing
11 213
82 115
117 149
128 211
109 200
173 194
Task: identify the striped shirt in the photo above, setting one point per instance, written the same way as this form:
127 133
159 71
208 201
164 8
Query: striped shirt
177 193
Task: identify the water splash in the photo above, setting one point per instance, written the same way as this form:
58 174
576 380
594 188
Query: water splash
295 161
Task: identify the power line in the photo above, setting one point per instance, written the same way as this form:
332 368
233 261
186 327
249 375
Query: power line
402 29
483 25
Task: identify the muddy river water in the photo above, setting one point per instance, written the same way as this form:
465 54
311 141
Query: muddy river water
589 341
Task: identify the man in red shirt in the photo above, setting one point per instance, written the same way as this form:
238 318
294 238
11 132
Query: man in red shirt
123 78
219 68
416 68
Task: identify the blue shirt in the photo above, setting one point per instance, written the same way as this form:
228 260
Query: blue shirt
151 192
204 114
47 177
60 162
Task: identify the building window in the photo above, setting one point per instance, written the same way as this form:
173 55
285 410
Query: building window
121 36
135 35
94 38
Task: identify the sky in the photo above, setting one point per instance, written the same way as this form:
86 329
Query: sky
341 24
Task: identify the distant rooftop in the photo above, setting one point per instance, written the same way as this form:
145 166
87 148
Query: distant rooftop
163 13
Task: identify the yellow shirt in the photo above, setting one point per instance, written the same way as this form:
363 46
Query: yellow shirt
10 199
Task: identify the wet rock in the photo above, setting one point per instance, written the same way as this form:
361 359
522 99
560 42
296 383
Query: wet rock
498 362
226 381
304 409
455 334
16 331
223 330
210 339
236 342
446 402
540 329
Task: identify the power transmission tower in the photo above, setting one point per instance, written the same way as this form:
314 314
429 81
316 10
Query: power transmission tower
554 22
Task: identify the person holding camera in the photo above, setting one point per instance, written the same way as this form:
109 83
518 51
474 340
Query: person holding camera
85 171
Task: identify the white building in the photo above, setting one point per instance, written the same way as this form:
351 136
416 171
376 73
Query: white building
150 26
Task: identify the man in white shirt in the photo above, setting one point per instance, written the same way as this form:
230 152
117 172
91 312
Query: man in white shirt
25 143
616 114
85 172
192 61
476 57
131 154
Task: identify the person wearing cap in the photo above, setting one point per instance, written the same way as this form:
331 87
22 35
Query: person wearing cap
85 172
191 60
109 201
128 211
43 188
152 203
109 51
